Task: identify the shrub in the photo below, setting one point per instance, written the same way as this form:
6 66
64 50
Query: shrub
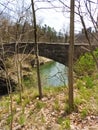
84 65
88 81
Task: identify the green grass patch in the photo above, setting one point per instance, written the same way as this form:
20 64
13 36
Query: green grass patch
40 105
84 113
21 119
64 122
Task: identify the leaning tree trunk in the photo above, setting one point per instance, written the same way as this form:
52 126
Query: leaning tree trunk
89 42
36 50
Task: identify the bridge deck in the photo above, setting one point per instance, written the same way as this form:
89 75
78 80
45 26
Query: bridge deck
56 51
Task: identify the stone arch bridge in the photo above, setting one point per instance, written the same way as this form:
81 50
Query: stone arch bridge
55 51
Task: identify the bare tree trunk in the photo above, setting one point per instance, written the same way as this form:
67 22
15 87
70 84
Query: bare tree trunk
37 55
9 88
71 53
18 71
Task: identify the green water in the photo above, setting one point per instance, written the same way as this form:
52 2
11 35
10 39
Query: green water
53 74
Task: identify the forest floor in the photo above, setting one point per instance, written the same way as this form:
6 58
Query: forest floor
51 113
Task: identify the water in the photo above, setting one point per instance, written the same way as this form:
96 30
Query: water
54 74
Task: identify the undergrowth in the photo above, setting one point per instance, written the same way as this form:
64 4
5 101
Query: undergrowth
55 100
